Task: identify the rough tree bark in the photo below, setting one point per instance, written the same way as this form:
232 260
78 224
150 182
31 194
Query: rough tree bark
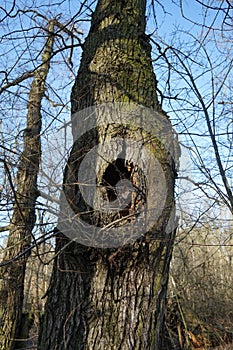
24 217
112 298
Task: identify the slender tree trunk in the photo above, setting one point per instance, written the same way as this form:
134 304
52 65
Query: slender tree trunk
112 298
24 217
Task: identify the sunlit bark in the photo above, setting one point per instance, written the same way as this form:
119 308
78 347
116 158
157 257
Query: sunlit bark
111 298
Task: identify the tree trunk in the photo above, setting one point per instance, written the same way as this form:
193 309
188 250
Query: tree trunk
24 217
110 293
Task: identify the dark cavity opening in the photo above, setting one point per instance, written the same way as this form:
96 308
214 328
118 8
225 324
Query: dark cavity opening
116 171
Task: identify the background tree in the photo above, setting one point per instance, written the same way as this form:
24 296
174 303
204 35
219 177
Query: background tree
201 62
195 73
24 216
21 197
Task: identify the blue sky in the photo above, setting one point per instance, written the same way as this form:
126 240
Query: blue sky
166 26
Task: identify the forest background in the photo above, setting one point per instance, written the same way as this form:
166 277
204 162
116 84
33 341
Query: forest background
192 59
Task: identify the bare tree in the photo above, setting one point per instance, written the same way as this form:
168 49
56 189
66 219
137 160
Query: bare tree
196 76
102 298
20 190
25 196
